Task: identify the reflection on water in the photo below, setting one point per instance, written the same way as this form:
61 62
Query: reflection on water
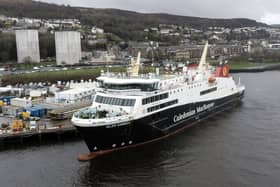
138 167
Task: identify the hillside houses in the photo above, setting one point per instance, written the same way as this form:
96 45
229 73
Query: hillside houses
25 23
95 30
164 41
184 53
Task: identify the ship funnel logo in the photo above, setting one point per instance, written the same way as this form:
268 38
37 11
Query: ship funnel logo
225 72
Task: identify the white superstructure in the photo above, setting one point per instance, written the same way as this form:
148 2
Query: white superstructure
126 98
132 103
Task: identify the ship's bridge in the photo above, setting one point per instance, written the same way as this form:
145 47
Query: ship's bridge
126 84
109 108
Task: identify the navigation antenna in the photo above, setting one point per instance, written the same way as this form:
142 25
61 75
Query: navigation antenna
106 59
203 65
133 69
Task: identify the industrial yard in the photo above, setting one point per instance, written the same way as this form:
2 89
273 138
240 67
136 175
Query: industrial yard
21 132
37 110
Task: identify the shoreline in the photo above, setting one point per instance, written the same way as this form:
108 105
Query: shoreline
85 74
257 69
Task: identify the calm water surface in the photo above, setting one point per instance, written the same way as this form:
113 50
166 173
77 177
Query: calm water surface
236 148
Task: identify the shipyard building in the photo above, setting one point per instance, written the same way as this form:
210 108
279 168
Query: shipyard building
68 47
27 46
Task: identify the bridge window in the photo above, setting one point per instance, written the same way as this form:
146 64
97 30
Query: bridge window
115 101
142 87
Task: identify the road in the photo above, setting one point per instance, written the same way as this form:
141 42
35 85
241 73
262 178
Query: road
51 69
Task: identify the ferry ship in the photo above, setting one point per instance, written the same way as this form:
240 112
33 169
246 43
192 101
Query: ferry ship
131 109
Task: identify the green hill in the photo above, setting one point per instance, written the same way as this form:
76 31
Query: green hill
126 24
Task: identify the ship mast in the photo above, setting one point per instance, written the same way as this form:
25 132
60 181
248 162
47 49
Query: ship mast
203 65
133 69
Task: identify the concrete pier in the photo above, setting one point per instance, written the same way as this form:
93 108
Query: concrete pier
41 133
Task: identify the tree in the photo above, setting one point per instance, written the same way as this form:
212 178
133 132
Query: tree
5 56
47 45
27 60
7 47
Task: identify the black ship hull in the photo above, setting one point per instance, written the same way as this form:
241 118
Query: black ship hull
153 127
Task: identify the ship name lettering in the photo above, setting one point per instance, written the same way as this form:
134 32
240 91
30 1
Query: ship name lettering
204 107
183 116
117 125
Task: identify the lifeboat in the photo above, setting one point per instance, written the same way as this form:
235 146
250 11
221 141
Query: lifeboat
211 80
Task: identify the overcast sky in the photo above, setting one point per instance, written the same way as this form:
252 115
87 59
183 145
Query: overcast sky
261 10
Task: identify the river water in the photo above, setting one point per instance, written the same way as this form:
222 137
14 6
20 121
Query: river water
236 148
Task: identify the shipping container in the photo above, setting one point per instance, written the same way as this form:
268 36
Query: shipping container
7 99
36 111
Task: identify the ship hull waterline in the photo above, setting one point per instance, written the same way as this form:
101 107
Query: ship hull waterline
115 137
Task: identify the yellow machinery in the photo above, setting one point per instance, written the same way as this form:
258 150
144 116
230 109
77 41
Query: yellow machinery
25 115
17 125
1 104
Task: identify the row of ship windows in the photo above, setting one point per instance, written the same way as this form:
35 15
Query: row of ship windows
154 98
115 101
208 91
84 93
158 107
190 87
195 86
172 81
